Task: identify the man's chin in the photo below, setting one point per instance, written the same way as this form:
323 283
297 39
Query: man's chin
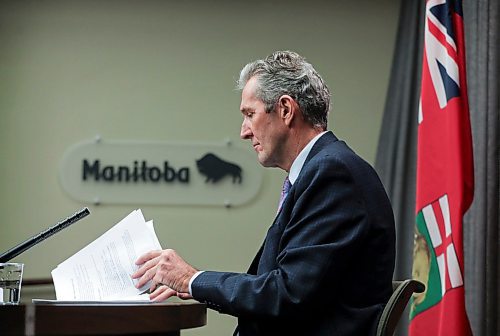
265 162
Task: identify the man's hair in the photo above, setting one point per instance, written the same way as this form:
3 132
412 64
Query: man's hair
288 73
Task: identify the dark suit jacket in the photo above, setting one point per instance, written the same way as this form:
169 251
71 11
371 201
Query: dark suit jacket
326 265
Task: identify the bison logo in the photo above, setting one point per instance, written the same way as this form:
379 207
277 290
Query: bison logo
215 169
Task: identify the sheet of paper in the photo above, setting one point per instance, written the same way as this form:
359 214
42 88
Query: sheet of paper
138 299
102 270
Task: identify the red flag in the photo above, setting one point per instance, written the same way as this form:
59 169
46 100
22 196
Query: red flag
445 176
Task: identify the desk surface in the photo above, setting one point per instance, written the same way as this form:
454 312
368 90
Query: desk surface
102 319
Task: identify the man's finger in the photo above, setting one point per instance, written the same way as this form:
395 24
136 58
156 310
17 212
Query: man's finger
144 268
162 293
147 256
184 296
155 284
148 275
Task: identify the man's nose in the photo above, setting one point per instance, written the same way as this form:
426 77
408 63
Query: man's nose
245 132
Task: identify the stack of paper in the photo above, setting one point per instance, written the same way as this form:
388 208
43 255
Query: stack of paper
102 270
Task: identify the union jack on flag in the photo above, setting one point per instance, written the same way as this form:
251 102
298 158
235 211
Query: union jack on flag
445 175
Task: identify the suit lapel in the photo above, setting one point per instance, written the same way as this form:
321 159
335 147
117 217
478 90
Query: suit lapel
255 262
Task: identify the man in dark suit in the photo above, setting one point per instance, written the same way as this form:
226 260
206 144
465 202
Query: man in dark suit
326 264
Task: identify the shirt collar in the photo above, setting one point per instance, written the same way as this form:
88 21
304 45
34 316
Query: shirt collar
298 163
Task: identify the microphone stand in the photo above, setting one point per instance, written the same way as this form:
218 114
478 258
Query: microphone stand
16 250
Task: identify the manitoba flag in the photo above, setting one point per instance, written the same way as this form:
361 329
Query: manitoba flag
444 176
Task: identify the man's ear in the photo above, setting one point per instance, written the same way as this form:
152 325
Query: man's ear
288 109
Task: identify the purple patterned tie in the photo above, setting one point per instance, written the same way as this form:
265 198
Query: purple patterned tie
284 191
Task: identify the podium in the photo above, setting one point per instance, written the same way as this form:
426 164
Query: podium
102 319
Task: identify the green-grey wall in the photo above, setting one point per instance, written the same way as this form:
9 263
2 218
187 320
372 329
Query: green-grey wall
165 70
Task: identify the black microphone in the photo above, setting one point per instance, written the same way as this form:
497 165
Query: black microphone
16 250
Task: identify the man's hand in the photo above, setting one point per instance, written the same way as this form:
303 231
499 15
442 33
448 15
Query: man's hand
161 293
164 268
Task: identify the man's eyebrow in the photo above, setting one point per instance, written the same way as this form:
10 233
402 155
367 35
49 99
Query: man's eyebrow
246 109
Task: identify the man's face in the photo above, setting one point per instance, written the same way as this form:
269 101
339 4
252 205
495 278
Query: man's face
266 131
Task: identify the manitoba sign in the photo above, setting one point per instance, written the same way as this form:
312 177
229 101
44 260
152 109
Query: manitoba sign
177 173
